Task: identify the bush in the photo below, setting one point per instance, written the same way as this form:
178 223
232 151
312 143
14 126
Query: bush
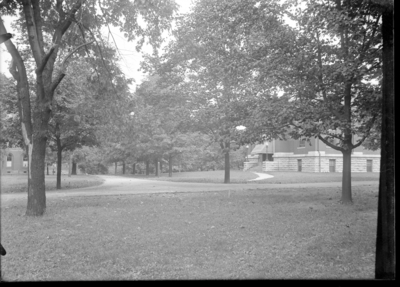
93 168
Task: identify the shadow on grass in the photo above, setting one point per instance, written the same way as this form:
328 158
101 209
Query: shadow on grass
19 183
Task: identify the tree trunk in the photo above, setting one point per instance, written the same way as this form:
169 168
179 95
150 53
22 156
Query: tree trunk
227 177
36 190
35 128
134 168
70 166
47 168
170 166
160 163
156 166
147 167
123 167
73 168
59 162
29 167
385 262
346 179
116 165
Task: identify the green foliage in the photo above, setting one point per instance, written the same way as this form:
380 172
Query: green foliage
10 128
211 55
330 75
91 160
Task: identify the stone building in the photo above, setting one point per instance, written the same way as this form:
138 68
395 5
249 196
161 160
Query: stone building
309 156
14 160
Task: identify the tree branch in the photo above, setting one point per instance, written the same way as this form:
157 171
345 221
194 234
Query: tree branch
32 32
59 78
38 23
366 134
73 51
40 69
65 19
331 145
56 82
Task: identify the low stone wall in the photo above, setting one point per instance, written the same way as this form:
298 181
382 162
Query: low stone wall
315 163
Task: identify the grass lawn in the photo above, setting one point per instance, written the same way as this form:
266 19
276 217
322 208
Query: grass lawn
238 176
285 233
19 182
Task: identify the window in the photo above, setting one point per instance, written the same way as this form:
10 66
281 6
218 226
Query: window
9 160
332 165
299 165
302 143
369 165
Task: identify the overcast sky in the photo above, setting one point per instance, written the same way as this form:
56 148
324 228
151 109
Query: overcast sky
130 62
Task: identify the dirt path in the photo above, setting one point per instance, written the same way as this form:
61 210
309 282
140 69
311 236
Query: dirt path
117 185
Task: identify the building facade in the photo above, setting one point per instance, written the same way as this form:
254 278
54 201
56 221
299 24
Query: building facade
309 156
14 160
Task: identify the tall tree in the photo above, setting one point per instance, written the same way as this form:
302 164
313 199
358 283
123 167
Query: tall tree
211 47
78 109
385 266
162 105
45 25
328 67
347 103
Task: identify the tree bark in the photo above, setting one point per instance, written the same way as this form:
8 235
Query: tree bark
346 178
115 170
70 166
59 162
73 168
147 167
134 168
385 262
227 177
123 167
156 167
170 166
36 190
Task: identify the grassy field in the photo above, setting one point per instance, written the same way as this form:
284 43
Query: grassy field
238 176
19 182
286 233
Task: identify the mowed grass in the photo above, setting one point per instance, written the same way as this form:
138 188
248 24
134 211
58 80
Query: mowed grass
237 176
271 234
19 183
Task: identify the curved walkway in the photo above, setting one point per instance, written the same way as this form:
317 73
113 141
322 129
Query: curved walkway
261 176
118 185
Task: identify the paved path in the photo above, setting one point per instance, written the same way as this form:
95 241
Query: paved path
261 176
118 185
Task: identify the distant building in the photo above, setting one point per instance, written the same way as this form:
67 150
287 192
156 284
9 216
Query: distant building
14 160
308 156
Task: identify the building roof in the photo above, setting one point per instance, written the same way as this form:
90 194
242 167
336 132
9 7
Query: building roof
260 148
